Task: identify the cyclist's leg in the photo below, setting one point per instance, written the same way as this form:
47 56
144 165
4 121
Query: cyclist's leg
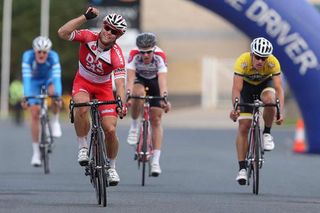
109 123
81 93
157 137
243 130
35 121
136 107
157 131
268 96
35 132
55 107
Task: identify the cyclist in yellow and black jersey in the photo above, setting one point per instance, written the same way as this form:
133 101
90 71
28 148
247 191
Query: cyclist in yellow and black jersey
257 74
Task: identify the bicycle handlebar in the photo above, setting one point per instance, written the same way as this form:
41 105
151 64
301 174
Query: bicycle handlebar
257 104
41 96
92 103
141 97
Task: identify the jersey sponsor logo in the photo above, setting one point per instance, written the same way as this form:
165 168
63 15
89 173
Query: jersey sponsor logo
107 111
119 55
92 65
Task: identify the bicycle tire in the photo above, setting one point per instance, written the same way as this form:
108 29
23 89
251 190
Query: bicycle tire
44 145
102 169
256 166
95 174
249 156
144 151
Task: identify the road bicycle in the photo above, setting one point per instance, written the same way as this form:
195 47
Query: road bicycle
144 148
46 138
98 165
255 154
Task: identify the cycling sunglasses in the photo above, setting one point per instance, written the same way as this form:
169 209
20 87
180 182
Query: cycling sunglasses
113 31
260 58
146 51
42 52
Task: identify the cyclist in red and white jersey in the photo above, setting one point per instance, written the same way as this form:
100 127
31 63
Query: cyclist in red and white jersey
99 56
147 67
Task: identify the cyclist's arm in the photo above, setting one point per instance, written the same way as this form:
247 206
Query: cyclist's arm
120 88
162 79
56 74
66 30
26 74
277 82
236 87
131 75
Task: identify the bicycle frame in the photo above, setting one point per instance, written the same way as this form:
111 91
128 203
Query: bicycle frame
144 148
98 165
255 153
46 138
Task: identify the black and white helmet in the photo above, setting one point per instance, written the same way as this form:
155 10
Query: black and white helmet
261 47
146 40
116 22
42 43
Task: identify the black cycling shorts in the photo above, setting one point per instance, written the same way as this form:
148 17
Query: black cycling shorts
250 92
153 86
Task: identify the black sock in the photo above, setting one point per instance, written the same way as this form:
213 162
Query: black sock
267 130
242 165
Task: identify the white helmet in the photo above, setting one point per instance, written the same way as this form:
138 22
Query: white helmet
116 22
261 47
42 43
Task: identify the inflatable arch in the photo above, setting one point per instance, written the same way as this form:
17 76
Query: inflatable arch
293 28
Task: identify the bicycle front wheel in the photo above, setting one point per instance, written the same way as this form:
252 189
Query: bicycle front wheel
102 174
144 151
44 145
256 163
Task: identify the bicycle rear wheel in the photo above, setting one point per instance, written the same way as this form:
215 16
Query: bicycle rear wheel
256 163
44 143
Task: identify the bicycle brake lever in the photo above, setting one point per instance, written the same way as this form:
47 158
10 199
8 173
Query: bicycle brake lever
71 111
119 107
278 108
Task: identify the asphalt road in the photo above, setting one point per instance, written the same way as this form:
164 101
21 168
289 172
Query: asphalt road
199 169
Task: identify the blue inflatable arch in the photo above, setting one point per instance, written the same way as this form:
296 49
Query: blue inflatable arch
293 28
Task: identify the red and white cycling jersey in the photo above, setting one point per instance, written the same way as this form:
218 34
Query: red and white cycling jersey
148 71
95 64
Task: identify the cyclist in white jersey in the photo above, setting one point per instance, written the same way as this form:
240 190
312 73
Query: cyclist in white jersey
147 67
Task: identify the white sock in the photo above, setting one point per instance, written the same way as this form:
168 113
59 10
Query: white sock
82 141
134 123
156 156
55 117
112 163
35 147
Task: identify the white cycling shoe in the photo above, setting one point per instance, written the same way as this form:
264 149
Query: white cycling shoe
56 129
242 177
133 136
113 178
155 169
83 157
35 160
268 142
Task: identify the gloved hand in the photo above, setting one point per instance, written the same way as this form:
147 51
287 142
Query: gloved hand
91 13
